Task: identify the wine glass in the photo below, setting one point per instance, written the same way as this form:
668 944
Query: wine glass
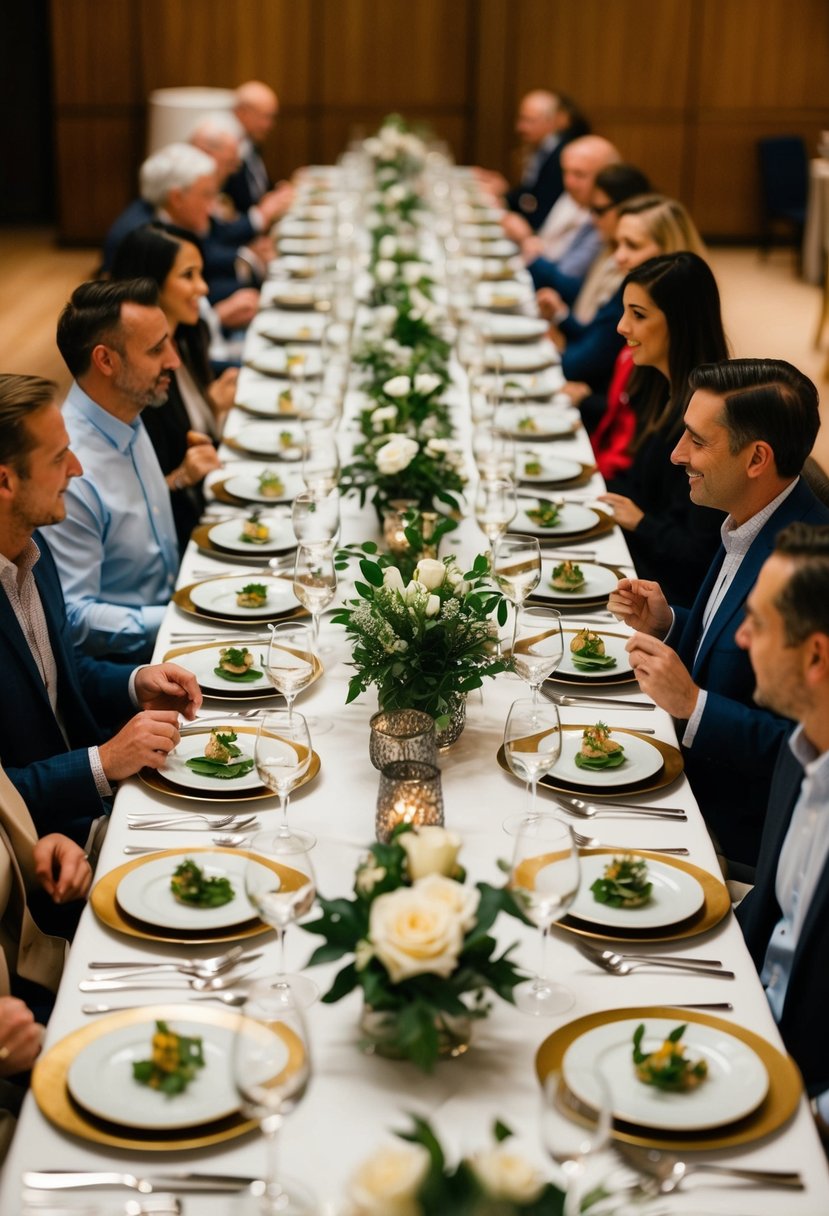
283 757
320 460
516 567
271 1065
544 880
315 581
280 883
290 665
493 452
484 394
495 508
537 646
532 745
316 518
576 1114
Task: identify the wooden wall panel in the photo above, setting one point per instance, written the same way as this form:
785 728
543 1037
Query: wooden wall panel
95 53
89 200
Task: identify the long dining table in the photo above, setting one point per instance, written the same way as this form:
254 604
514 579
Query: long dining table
355 1101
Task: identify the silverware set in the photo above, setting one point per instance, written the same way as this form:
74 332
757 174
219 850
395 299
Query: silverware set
224 840
590 842
665 1171
211 984
589 810
60 1180
187 823
566 698
623 964
204 968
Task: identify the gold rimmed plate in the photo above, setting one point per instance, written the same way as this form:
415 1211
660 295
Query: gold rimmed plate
104 900
202 659
223 610
774 1111
225 537
671 767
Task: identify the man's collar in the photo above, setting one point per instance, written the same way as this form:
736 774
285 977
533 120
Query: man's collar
121 435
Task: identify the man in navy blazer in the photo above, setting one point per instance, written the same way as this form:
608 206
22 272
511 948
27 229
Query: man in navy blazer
749 427
62 741
785 918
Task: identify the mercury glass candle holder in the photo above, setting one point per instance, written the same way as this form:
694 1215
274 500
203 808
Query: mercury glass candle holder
410 792
402 734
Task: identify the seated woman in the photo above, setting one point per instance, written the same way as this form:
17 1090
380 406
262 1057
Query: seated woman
671 323
185 428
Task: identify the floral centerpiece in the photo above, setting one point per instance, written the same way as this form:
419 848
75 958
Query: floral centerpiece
425 642
414 1179
422 952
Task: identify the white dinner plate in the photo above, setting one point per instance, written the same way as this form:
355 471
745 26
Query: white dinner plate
531 386
507 328
482 230
642 760
553 468
614 648
294 226
265 439
295 327
499 248
599 581
736 1084
260 395
275 362
501 297
175 769
246 486
218 597
573 519
521 356
675 896
537 422
203 664
100 1078
228 535
293 293
311 246
144 893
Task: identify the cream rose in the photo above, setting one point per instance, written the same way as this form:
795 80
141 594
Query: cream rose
398 386
393 578
432 606
385 272
387 246
395 455
387 1184
426 382
462 901
430 850
415 933
505 1175
430 573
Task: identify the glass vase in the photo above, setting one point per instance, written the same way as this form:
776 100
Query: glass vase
380 1034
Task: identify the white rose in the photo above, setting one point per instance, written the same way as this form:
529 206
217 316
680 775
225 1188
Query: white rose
398 386
426 382
438 447
372 146
396 455
385 272
461 900
505 1175
412 271
387 246
430 850
385 413
395 194
432 606
415 933
385 316
430 573
392 578
386 1184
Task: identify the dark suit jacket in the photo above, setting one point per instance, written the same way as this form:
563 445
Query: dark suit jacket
590 354
734 751
54 779
241 186
535 202
803 1022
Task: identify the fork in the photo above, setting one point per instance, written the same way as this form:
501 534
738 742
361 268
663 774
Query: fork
566 698
590 842
215 964
620 964
586 810
667 1171
232 822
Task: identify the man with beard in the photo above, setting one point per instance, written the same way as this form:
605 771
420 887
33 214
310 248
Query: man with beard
116 549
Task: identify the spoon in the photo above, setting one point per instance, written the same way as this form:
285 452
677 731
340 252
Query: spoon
587 810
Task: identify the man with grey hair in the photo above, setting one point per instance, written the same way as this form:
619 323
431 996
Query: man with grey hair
221 136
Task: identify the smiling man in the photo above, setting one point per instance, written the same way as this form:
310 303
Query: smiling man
749 427
116 550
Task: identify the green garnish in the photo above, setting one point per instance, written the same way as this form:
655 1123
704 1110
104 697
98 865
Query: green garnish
667 1068
527 425
588 652
598 750
175 1061
239 677
546 514
532 468
219 758
625 883
190 886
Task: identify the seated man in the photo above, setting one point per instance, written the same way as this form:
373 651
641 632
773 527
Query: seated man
221 136
61 711
749 427
256 109
785 918
116 550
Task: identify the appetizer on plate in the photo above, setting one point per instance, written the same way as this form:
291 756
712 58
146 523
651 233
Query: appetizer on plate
174 1062
254 532
588 651
527 425
271 484
598 750
546 515
533 468
285 402
668 1067
236 664
624 883
295 361
221 757
252 595
567 577
190 886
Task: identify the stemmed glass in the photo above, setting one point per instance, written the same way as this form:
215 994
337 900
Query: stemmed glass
516 567
537 646
316 518
283 757
484 395
281 896
320 460
271 1064
544 880
290 664
576 1115
532 745
495 508
315 581
493 452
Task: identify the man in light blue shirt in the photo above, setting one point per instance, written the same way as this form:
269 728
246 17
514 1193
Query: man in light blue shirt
116 550
785 918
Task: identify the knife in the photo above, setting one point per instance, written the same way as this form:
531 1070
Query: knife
63 1180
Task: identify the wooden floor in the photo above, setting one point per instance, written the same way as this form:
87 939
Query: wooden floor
767 310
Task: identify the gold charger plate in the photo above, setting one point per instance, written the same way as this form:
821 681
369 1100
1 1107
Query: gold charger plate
103 898
201 537
585 683
182 600
672 767
156 780
780 1103
239 692
49 1085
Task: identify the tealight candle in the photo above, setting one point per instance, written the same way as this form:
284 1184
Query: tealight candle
410 792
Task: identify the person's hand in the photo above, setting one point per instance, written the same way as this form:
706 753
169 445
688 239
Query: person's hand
166 686
625 510
662 675
238 310
200 459
491 181
550 303
276 202
21 1037
576 390
515 227
144 742
62 868
640 604
222 392
532 248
